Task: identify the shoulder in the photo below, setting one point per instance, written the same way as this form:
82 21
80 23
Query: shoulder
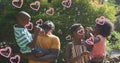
99 38
16 28
69 45
54 37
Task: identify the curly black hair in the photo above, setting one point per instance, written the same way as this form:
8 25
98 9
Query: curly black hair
106 29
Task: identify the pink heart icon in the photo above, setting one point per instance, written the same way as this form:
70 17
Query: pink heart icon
34 4
16 57
59 31
6 52
40 21
50 11
15 3
90 41
101 20
67 3
29 26
81 32
68 37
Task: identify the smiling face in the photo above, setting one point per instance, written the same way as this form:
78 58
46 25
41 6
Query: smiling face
79 32
23 18
48 26
23 22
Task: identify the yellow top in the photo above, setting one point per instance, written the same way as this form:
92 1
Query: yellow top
47 42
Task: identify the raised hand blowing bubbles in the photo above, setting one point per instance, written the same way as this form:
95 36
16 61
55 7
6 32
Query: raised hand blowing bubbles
39 23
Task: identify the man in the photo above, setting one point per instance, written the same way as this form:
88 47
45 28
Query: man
47 41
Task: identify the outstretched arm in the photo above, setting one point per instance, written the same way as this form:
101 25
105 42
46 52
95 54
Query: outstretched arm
46 58
54 52
89 32
68 59
36 32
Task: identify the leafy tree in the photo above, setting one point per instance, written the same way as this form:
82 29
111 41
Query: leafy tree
114 40
81 11
117 24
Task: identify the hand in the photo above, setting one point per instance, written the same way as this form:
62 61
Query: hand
39 54
40 29
97 59
89 30
85 53
37 30
63 61
89 47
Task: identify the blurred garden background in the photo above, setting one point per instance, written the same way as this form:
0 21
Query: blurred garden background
80 11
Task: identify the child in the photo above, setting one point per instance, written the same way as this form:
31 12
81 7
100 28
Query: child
76 51
102 30
24 38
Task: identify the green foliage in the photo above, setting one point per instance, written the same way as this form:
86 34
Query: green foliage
117 2
105 10
112 1
108 46
117 24
81 11
114 40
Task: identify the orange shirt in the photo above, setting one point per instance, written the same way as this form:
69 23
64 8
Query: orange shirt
47 42
99 48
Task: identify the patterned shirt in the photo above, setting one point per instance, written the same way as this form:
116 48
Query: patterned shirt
77 50
23 38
